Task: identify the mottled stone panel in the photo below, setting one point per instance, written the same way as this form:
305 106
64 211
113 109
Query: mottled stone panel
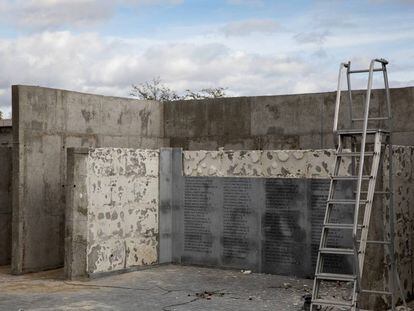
121 211
262 163
403 200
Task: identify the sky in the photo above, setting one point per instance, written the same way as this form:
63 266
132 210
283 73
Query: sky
250 47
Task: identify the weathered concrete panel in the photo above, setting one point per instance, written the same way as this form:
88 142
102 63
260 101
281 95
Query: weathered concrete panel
6 135
5 205
47 121
76 222
113 210
299 121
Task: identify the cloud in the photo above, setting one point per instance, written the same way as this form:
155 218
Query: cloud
38 15
91 63
311 37
247 27
246 2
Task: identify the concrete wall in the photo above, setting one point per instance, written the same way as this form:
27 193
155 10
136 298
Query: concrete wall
46 122
112 210
302 121
5 204
6 135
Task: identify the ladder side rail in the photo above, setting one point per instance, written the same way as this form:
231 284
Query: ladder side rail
361 168
338 100
322 243
370 197
348 79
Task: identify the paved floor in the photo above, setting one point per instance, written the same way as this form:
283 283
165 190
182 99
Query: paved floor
161 288
164 288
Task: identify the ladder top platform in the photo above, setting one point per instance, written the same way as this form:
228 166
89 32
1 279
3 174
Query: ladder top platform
360 131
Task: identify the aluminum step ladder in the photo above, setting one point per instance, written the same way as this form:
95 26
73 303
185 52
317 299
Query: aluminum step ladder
365 163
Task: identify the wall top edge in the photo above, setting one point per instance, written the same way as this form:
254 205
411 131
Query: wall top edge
208 99
82 93
6 123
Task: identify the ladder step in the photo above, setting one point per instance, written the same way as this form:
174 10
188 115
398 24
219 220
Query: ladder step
331 303
376 192
337 251
376 242
354 154
351 177
331 225
364 70
346 201
371 119
338 226
378 292
360 131
336 277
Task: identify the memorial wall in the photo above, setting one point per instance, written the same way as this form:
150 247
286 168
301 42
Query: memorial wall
248 220
256 210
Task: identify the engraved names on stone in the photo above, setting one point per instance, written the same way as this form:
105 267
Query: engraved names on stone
197 215
237 208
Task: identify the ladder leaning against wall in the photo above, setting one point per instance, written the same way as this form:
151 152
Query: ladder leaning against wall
365 145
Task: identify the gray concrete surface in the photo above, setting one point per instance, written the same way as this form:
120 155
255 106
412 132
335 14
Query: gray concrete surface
46 122
6 135
299 121
160 288
5 204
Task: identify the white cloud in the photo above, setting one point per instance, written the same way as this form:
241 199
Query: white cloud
90 63
248 27
55 14
246 2
314 37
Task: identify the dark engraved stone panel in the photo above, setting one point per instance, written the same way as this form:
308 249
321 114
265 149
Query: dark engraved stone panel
319 190
285 250
201 214
240 247
270 225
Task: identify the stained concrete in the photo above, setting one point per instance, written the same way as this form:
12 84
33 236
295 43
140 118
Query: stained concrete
112 210
6 135
163 288
46 122
5 204
298 121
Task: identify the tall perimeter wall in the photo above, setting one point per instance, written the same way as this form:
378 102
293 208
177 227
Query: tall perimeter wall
300 121
45 123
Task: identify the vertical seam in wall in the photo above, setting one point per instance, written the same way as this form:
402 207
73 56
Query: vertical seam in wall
322 112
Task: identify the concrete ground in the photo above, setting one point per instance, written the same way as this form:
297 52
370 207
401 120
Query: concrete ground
160 288
165 288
